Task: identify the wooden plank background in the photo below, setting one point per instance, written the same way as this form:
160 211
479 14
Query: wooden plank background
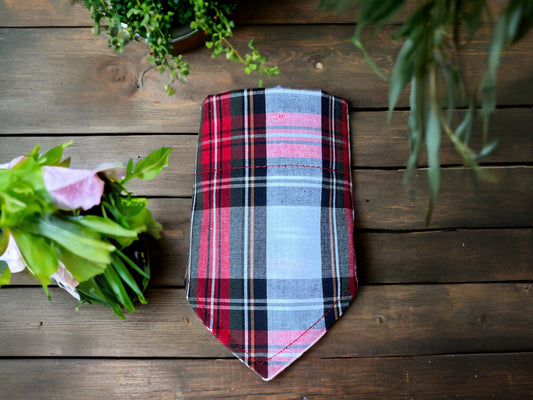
443 311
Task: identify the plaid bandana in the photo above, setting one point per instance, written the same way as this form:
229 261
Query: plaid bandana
272 263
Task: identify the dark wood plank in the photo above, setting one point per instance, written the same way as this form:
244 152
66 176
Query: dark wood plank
43 13
75 84
443 256
382 201
391 320
379 142
90 151
376 142
485 376
63 13
434 256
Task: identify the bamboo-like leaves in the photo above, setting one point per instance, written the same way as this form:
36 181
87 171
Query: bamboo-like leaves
514 23
428 53
402 73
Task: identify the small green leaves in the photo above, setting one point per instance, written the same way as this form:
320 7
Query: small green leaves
153 21
104 226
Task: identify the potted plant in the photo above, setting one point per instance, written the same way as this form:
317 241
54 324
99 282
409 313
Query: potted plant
81 228
159 22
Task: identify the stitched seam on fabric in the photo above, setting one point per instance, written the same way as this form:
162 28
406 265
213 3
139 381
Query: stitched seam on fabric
270 166
252 358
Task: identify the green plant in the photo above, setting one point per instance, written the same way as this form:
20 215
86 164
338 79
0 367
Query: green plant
431 39
153 21
77 226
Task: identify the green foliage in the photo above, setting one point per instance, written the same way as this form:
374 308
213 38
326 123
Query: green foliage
427 56
5 274
154 21
95 246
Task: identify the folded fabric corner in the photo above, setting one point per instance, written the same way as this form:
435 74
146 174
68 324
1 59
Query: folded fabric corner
272 260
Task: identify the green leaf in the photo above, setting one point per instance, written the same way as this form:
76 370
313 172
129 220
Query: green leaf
451 83
104 226
97 291
486 150
134 266
53 156
415 124
402 73
5 273
367 58
4 240
90 292
34 154
150 166
81 268
118 289
525 23
433 136
464 129
472 16
129 167
39 254
79 240
127 278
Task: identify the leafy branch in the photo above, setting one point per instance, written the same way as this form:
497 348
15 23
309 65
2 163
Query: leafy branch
428 55
153 22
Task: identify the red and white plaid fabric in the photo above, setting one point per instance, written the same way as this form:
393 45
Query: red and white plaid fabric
272 262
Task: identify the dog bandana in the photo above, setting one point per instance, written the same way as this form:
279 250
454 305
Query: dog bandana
272 262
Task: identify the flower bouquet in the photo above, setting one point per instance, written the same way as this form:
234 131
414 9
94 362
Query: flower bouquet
81 228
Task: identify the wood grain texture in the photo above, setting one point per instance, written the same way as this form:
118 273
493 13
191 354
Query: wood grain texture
383 202
376 142
399 320
379 142
445 256
398 257
63 13
433 302
75 84
484 376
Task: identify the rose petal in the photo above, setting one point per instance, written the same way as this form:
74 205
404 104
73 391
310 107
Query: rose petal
65 280
13 257
73 188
